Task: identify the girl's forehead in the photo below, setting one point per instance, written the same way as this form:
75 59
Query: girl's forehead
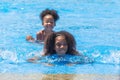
60 37
48 16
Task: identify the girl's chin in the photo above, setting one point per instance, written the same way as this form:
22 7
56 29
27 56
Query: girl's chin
50 30
61 54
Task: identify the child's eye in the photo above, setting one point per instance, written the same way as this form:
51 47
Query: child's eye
58 44
64 44
50 22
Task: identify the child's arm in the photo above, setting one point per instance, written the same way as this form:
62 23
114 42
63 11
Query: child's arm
34 59
40 35
29 38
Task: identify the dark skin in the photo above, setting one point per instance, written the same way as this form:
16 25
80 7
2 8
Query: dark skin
48 23
50 42
49 18
58 42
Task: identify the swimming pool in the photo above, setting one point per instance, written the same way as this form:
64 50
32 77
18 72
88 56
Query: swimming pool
94 23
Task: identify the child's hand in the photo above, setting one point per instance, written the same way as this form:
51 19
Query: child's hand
33 60
70 64
48 64
29 38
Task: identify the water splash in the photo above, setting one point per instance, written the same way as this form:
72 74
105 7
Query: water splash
8 56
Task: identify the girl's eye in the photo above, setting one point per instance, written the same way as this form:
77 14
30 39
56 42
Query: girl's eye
49 21
58 44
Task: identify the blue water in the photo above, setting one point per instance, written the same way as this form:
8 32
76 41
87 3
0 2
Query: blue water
94 24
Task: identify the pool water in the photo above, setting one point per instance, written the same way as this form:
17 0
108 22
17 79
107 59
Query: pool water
94 24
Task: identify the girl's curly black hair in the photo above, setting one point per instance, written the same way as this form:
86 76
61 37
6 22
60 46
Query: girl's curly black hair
49 43
50 12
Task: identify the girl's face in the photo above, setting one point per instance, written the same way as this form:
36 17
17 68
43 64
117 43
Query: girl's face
48 22
61 46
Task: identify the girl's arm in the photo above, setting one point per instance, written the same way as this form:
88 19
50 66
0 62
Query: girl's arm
40 35
34 59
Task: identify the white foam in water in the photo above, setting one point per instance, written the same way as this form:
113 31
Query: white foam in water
9 56
115 56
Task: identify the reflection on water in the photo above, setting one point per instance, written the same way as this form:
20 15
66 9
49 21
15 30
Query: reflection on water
11 76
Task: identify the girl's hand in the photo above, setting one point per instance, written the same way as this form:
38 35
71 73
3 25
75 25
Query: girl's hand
30 38
48 64
33 60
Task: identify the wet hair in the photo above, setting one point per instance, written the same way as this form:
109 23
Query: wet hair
50 12
49 43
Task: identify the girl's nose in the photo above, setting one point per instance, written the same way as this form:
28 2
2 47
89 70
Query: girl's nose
49 24
62 46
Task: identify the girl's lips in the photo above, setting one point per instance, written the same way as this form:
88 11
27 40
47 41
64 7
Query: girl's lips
61 51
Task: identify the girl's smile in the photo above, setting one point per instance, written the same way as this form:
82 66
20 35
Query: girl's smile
61 46
48 22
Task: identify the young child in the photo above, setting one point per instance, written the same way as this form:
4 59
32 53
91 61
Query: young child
49 18
60 43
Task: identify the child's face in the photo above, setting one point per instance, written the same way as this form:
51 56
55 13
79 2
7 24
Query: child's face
61 46
48 22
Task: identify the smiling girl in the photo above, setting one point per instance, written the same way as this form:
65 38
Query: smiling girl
60 47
